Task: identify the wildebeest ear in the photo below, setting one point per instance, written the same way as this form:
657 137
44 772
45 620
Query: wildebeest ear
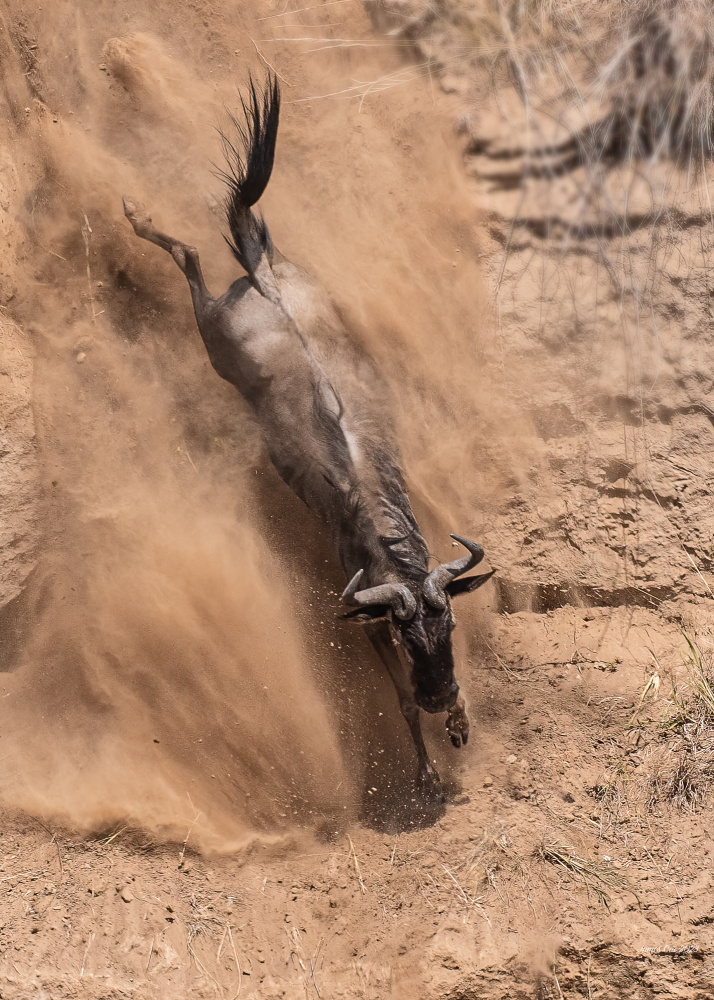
465 584
369 614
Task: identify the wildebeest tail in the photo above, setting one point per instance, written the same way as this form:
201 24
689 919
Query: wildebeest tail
249 160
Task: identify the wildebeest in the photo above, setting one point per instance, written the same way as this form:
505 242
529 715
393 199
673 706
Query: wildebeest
322 407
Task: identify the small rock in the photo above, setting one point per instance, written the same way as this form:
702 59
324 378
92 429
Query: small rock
451 84
127 895
81 358
511 759
463 123
487 784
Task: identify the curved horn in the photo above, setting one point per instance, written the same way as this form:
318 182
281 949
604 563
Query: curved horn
398 596
435 583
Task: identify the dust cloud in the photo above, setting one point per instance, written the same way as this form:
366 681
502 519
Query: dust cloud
181 664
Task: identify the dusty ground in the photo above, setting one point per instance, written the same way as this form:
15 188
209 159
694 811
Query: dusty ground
465 907
205 781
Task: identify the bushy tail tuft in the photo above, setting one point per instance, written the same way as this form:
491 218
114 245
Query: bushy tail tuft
249 166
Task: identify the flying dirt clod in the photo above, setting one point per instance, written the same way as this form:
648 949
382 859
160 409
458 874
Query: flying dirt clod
323 409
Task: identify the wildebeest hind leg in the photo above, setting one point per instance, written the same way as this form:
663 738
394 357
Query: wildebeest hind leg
428 780
185 256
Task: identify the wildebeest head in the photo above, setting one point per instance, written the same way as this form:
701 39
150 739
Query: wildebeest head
422 622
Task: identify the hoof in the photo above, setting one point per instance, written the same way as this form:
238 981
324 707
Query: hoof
136 213
130 207
457 725
430 788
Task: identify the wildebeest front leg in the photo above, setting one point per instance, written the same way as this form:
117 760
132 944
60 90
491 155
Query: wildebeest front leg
457 723
427 776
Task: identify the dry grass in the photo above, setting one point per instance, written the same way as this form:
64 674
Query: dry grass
596 876
616 98
682 779
703 680
492 860
611 792
516 41
676 764
658 81
683 771
640 72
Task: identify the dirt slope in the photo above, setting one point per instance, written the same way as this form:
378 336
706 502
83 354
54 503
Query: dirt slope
159 502
206 785
19 483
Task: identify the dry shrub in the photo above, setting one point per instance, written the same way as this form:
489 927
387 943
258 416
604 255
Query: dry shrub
658 80
676 767
682 772
511 38
654 75
681 778
641 72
